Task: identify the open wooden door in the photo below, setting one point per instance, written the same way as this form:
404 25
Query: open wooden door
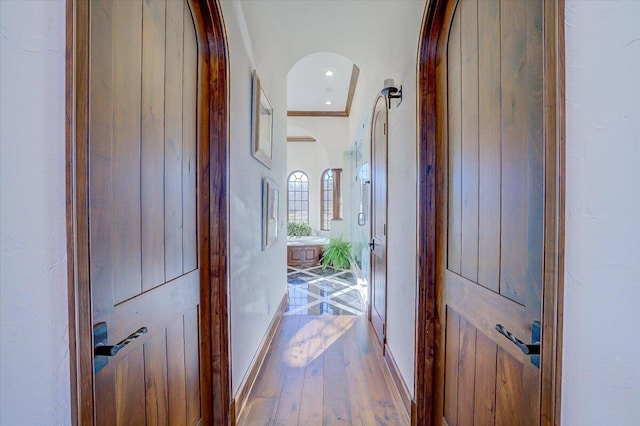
378 244
143 230
490 244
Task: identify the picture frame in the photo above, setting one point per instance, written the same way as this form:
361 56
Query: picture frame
261 123
270 215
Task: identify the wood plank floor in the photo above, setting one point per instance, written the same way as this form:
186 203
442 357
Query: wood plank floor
324 370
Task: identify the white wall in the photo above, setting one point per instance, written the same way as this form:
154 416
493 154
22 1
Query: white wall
601 358
314 158
402 196
257 278
398 63
34 360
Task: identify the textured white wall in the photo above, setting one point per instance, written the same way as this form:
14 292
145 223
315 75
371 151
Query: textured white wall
34 360
601 358
257 278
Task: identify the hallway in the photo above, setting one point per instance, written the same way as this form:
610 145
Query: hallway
324 370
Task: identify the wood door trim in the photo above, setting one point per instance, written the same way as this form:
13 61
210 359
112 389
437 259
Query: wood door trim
212 211
434 32
242 395
399 384
386 213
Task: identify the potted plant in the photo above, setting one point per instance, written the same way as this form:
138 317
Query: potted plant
298 229
337 254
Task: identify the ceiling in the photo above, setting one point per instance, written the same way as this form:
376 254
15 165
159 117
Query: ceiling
294 37
310 91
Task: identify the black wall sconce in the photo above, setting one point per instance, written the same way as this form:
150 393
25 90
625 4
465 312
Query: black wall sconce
390 91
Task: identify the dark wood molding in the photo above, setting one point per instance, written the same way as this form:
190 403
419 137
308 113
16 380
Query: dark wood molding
241 397
337 193
434 32
426 319
399 382
301 139
316 114
212 212
355 72
554 214
77 125
214 209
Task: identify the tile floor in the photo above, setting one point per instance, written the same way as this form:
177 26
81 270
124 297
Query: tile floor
314 291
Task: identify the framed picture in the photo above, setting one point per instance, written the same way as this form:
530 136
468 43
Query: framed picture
270 206
262 123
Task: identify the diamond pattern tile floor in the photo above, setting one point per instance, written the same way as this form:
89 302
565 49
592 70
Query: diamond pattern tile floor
317 291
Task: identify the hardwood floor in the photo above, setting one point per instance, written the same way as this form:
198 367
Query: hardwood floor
324 370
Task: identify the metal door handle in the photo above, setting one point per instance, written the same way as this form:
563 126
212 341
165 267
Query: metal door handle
107 350
372 245
531 349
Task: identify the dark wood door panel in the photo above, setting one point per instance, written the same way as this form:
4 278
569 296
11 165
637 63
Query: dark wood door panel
484 309
454 147
495 145
156 377
130 398
492 271
489 160
173 140
143 200
125 160
170 300
484 382
152 143
379 141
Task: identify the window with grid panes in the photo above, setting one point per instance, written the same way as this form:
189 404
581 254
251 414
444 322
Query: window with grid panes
326 202
298 197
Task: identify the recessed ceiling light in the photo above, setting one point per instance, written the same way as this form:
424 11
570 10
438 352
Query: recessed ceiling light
328 103
329 73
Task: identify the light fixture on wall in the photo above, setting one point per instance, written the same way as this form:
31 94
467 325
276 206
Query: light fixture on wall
390 91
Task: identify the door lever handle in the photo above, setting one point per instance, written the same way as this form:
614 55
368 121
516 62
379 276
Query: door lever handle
108 350
527 349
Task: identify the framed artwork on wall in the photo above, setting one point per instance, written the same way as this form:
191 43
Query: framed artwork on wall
261 123
270 206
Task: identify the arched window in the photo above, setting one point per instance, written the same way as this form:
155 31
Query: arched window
298 197
329 197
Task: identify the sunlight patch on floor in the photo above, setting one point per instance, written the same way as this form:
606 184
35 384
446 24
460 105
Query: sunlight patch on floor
311 340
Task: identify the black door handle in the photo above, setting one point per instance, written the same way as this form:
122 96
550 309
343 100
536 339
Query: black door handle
107 350
372 245
531 349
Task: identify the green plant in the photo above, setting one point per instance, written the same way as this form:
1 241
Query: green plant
337 254
298 229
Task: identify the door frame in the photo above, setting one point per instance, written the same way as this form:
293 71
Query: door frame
212 202
383 342
431 67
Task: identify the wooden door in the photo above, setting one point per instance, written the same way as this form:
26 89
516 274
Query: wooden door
490 263
142 210
378 304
